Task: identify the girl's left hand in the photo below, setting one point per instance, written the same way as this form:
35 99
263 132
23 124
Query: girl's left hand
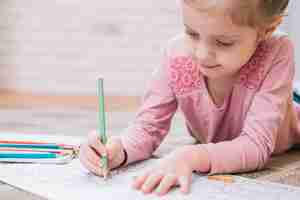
174 170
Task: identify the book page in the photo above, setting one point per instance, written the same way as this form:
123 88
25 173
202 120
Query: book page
72 181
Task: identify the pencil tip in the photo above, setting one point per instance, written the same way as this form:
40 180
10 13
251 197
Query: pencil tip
105 174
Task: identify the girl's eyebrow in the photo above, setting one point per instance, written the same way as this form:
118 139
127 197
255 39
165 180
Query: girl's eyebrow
217 35
186 26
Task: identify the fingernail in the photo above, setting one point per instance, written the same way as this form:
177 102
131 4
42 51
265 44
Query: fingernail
183 180
184 184
105 174
158 190
104 153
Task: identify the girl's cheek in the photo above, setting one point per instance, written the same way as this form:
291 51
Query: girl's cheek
189 45
244 52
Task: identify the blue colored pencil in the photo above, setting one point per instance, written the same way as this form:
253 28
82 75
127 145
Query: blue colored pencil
13 155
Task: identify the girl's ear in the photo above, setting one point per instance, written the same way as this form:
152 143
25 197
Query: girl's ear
268 30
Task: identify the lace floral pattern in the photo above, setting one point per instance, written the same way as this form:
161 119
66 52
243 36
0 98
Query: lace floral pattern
252 73
184 75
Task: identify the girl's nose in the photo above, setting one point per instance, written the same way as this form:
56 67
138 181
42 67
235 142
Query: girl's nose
205 55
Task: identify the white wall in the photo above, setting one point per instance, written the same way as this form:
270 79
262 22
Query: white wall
294 30
62 46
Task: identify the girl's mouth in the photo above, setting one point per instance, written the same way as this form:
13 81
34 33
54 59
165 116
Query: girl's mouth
211 66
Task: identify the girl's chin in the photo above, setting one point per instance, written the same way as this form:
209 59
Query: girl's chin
211 71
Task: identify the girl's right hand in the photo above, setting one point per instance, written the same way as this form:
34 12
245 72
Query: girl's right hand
91 151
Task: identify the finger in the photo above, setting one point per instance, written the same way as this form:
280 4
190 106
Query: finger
185 183
90 156
95 143
113 148
93 157
97 165
151 182
87 151
166 184
184 179
139 181
92 168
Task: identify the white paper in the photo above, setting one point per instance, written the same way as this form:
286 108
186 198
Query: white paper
71 181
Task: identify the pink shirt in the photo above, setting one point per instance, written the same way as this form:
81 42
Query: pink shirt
257 119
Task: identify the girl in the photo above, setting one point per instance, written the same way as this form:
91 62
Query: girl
231 76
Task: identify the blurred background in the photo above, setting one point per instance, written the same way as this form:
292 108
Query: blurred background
52 52
60 47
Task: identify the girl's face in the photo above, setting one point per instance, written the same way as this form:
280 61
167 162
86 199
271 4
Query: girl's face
219 46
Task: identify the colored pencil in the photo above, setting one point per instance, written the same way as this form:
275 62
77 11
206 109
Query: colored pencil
33 146
62 152
67 146
24 155
102 125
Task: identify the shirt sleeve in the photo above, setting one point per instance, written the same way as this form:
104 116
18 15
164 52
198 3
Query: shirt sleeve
153 119
253 148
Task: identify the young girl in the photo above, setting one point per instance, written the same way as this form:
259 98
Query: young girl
231 76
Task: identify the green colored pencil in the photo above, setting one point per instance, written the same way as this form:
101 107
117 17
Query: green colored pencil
102 126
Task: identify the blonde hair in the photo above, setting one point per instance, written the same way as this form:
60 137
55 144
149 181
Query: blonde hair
254 13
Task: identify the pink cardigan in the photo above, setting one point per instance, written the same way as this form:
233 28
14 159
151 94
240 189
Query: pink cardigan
257 119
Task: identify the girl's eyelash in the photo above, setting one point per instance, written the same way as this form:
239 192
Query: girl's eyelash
225 44
194 35
191 34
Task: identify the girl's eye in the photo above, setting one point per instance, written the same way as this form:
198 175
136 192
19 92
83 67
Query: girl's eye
224 44
192 35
